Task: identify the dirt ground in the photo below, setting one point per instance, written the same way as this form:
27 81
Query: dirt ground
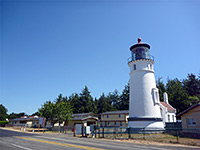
161 139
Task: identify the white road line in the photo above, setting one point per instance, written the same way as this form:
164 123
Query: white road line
25 148
21 147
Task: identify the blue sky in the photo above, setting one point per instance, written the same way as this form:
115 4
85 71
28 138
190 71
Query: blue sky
50 47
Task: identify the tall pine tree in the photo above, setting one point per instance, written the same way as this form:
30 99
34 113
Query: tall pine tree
177 95
124 98
86 100
161 86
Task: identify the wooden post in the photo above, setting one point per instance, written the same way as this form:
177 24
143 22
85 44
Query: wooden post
99 131
82 129
129 133
177 136
114 133
103 132
44 124
39 128
74 129
144 133
95 132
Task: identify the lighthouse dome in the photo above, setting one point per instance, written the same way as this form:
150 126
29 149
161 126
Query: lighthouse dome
140 51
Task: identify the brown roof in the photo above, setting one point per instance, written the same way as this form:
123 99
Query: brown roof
84 114
85 118
185 111
169 107
115 112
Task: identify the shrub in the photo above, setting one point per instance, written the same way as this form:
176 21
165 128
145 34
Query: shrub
3 123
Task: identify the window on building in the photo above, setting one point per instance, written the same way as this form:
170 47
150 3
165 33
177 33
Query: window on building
116 123
191 122
103 116
108 123
120 124
173 118
156 95
150 66
134 66
168 118
108 116
120 115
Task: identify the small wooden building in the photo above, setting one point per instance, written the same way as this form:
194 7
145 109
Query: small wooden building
191 119
83 123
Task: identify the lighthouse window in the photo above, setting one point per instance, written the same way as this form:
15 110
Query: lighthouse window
134 66
139 52
151 66
156 96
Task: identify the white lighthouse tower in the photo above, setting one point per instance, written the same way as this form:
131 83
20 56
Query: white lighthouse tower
144 108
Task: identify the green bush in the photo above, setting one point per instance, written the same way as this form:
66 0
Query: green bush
3 122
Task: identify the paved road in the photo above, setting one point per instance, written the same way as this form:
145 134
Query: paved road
11 140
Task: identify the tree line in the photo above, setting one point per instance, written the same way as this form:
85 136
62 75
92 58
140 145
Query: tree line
62 108
181 93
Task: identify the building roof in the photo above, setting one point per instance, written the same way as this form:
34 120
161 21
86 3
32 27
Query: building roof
116 112
190 108
24 119
168 106
84 114
84 118
139 44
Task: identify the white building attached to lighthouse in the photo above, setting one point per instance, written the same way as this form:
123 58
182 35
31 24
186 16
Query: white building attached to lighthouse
144 103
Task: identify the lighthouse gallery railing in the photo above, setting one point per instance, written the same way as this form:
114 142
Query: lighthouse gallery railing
150 57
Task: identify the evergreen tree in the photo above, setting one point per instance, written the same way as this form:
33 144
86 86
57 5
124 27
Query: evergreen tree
74 101
192 85
95 106
114 99
36 113
86 100
65 99
103 104
3 113
177 95
59 99
161 86
124 98
16 115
